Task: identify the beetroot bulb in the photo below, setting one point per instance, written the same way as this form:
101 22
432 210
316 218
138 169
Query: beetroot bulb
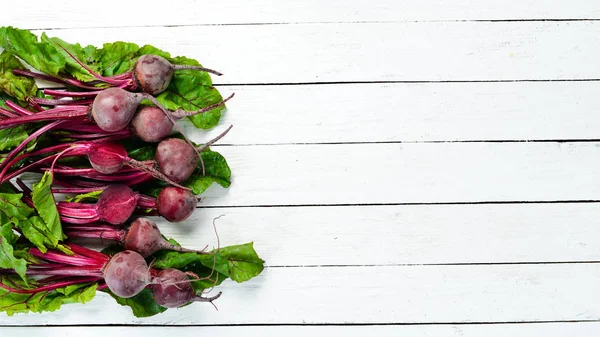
172 289
141 236
178 160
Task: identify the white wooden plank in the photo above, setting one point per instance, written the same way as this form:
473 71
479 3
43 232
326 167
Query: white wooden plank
63 14
376 52
585 329
410 112
422 294
392 235
408 173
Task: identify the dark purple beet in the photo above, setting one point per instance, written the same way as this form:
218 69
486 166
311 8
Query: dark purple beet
126 274
107 157
116 204
171 289
153 73
151 124
175 204
144 237
113 108
176 159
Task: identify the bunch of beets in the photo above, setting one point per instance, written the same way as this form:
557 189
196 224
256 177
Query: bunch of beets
89 145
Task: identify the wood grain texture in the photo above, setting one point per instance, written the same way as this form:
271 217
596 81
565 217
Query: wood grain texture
391 235
415 294
409 112
408 173
472 330
440 51
138 13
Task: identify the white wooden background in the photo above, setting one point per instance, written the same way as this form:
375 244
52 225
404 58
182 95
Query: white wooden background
418 168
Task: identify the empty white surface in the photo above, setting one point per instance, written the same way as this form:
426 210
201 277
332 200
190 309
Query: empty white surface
469 268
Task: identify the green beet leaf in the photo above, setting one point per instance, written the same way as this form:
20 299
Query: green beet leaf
46 301
217 171
19 87
36 231
116 58
83 54
142 304
192 90
12 137
240 262
90 196
40 55
44 202
13 208
7 257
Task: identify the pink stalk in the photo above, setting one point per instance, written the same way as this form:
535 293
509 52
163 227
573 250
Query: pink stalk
52 286
53 79
75 260
34 135
18 109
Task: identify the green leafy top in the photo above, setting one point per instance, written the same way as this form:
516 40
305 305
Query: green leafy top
38 54
90 196
20 87
189 89
239 263
12 303
44 203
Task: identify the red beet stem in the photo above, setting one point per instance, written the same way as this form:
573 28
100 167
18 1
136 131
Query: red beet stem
112 234
7 113
79 220
34 135
63 258
100 257
63 93
18 109
52 286
79 213
78 112
54 102
53 79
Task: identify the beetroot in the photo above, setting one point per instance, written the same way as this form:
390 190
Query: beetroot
113 108
172 289
153 73
152 125
176 159
116 204
143 236
175 204
126 274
